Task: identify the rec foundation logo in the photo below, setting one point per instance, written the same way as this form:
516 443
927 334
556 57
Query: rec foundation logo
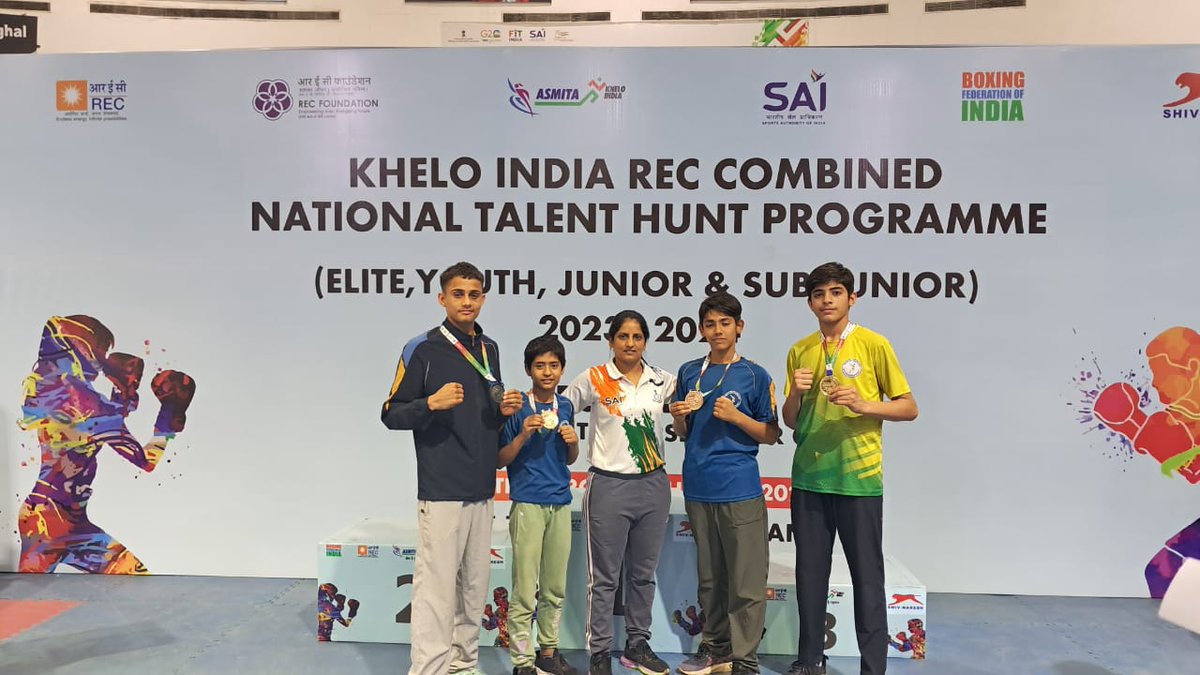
368 551
315 97
993 96
1186 107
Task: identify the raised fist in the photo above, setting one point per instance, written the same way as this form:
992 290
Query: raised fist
174 391
353 605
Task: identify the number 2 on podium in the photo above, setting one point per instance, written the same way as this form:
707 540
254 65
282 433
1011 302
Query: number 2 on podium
404 615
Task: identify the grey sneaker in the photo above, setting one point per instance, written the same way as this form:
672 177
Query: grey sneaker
705 662
524 670
641 658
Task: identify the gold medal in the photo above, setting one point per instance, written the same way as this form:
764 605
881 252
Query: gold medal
828 384
550 419
694 400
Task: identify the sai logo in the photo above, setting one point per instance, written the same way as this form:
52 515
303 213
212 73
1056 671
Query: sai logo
786 97
272 99
71 95
333 550
1172 110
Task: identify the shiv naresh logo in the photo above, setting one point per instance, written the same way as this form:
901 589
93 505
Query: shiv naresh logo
1190 82
902 598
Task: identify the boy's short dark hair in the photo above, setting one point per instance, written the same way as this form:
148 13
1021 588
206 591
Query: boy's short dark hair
460 269
544 344
830 272
722 302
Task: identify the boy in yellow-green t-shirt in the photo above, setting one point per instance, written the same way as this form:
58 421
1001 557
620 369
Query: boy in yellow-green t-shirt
843 382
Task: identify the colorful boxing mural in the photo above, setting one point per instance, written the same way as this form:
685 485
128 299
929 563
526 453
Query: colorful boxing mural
73 420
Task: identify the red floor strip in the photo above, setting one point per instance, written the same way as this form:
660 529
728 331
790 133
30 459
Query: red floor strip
18 616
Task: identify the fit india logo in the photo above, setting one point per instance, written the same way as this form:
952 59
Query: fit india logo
272 99
993 96
1174 110
333 550
71 95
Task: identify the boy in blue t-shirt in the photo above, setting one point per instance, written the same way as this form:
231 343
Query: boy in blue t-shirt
724 407
539 441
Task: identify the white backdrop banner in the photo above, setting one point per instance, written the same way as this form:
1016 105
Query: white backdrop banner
264 230
768 33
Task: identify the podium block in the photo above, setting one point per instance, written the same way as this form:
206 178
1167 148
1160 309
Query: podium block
906 599
372 562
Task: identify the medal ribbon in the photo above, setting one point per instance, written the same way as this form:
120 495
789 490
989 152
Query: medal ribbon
533 404
485 370
829 360
718 384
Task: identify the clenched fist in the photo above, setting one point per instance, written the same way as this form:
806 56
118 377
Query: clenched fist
449 396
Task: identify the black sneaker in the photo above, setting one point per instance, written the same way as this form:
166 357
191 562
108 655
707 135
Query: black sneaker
705 662
641 658
798 668
601 664
524 670
743 669
554 664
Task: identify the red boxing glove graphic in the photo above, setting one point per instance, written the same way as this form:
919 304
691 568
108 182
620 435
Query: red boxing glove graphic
1170 436
174 391
125 372
353 605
